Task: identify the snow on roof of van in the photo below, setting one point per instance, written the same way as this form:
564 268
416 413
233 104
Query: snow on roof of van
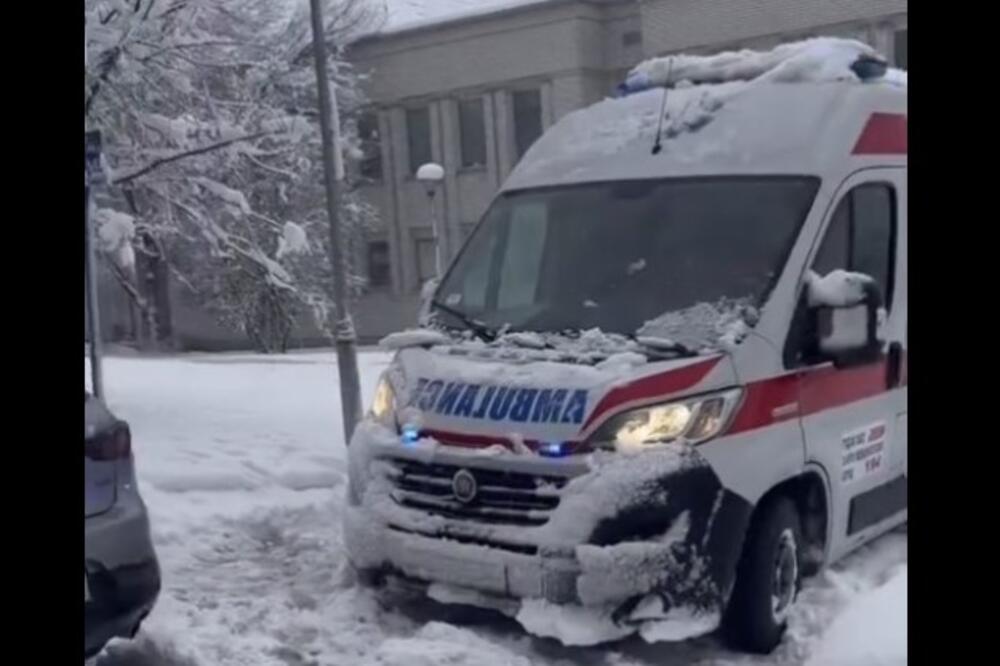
747 118
810 60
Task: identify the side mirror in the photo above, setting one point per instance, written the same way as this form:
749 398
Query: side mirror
846 318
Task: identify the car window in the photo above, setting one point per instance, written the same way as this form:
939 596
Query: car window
860 236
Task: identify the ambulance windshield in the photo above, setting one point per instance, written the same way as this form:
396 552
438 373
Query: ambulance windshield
615 255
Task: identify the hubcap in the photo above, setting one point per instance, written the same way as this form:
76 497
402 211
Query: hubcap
785 576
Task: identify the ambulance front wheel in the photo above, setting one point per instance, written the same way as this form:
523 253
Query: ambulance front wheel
768 579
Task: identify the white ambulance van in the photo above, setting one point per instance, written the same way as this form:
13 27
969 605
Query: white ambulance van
665 378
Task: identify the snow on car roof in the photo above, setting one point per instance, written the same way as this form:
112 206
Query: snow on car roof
790 111
812 60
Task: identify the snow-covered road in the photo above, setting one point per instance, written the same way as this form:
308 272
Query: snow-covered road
241 462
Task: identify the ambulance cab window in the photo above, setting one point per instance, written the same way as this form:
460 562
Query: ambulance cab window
861 235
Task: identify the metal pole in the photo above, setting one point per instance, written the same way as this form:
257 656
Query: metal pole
437 234
93 315
347 360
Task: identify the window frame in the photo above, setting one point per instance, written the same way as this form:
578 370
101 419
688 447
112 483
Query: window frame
371 148
796 328
514 93
462 144
388 263
426 109
889 287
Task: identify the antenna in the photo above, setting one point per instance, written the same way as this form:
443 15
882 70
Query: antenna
658 144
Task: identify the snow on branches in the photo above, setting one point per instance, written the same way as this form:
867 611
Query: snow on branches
207 110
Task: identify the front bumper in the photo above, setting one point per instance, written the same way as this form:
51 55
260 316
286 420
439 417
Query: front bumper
377 547
624 528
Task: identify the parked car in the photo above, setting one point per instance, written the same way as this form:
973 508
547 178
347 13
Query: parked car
121 576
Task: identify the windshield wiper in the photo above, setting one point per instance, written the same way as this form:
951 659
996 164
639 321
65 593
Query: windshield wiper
663 348
483 331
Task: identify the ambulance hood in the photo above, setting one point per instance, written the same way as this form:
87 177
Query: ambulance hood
482 399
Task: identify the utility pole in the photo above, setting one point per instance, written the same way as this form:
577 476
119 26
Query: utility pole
92 176
333 170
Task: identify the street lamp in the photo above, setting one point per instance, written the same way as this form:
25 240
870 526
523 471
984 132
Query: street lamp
431 175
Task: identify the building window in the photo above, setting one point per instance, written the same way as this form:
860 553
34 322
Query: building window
472 132
527 118
900 48
371 148
418 137
378 264
631 38
426 268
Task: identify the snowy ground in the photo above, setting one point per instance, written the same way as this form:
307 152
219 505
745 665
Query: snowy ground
241 462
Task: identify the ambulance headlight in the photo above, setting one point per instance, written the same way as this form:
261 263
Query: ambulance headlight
384 404
693 420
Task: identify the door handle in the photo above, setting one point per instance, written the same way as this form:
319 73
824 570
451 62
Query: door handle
894 365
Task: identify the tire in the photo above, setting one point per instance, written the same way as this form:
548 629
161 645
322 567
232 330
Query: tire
768 579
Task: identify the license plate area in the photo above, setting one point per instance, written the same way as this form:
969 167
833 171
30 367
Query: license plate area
431 563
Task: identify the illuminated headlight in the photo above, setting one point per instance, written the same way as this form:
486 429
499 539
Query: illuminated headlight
384 404
692 421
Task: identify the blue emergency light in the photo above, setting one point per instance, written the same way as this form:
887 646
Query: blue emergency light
552 449
409 435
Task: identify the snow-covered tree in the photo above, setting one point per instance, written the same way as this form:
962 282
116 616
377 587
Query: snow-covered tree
212 143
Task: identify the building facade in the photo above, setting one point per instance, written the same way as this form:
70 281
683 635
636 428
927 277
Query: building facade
473 93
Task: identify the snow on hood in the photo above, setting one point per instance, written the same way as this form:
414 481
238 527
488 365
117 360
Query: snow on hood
532 401
414 337
821 59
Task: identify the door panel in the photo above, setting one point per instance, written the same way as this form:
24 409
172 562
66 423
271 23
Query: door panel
851 416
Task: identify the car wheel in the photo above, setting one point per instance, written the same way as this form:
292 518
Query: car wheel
768 579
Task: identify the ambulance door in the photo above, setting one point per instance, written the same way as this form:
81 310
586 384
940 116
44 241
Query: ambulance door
897 355
850 414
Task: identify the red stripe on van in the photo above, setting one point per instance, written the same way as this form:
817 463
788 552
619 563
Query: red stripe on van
827 387
774 400
468 440
760 401
472 441
652 387
884 134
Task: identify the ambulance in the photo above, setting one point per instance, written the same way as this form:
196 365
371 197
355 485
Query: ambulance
665 378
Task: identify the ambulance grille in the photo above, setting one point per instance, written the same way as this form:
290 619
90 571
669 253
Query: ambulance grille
510 498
